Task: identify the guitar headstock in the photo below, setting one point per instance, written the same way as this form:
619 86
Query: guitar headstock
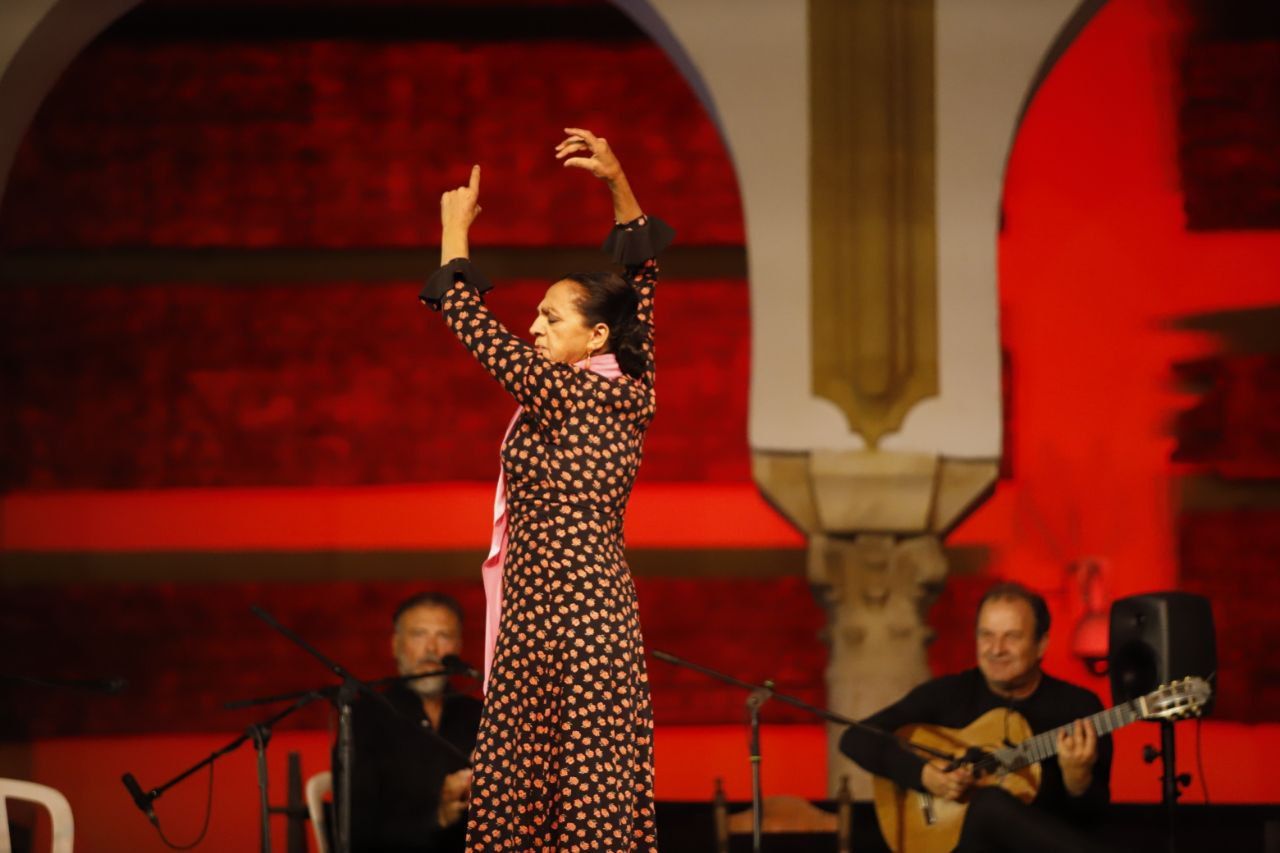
1176 700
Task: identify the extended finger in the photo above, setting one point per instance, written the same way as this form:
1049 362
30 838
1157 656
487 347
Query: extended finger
587 136
1065 740
581 163
474 184
569 149
1080 742
1090 742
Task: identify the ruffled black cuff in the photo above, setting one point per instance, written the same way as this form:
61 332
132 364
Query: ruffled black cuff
630 244
458 269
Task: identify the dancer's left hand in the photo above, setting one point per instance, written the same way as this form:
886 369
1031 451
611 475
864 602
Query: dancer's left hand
600 160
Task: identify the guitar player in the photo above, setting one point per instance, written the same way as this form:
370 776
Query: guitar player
1012 634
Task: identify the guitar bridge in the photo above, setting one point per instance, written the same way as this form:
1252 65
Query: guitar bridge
926 810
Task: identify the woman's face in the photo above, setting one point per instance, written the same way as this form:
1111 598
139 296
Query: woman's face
560 332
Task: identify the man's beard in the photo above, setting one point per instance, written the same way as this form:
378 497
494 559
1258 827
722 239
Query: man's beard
432 685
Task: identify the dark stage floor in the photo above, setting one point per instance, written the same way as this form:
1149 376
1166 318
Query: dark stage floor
687 828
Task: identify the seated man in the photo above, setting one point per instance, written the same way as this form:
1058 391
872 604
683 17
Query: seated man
1012 634
409 792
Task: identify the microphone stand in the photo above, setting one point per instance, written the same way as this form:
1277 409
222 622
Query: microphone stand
758 694
1171 781
755 701
329 691
345 696
259 733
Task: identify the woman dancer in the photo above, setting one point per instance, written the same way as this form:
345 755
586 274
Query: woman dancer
564 756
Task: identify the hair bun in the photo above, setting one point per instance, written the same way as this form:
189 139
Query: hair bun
608 298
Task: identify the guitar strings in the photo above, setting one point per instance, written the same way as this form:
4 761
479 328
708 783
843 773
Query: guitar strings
1029 750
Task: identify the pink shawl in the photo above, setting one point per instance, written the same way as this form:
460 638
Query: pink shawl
605 365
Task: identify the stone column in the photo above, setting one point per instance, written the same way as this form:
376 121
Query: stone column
875 522
876 589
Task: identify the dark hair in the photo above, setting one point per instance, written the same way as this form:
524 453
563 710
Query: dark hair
607 298
427 599
1008 590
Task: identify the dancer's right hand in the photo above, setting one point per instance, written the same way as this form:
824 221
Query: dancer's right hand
460 207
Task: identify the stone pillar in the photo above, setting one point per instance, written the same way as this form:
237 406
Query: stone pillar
877 589
875 522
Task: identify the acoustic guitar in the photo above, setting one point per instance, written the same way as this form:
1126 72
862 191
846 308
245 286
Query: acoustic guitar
1002 751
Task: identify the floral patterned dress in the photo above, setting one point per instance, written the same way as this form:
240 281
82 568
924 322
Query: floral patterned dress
564 758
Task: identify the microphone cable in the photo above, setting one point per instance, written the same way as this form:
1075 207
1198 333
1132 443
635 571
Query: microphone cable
208 814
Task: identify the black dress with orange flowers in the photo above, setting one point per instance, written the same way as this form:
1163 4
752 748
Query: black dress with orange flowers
564 758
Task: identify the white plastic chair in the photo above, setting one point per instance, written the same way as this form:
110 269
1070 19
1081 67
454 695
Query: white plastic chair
56 804
319 786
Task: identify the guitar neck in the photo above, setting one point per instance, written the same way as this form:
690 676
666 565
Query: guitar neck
1045 745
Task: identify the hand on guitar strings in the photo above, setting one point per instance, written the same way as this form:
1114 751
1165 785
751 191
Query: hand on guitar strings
945 784
1077 753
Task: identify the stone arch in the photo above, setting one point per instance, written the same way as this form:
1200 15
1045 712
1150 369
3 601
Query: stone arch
41 38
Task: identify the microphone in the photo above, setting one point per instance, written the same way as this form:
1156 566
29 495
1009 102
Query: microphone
140 798
458 665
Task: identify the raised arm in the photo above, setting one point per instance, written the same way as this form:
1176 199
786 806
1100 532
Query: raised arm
636 239
455 289
458 210
603 163
542 380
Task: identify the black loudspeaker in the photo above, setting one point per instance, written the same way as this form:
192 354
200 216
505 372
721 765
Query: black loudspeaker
1157 638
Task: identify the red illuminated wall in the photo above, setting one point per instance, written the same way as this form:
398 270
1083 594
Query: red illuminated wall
346 384
349 143
1098 275
187 648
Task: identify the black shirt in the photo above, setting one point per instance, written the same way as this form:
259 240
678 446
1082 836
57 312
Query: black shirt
398 772
955 701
